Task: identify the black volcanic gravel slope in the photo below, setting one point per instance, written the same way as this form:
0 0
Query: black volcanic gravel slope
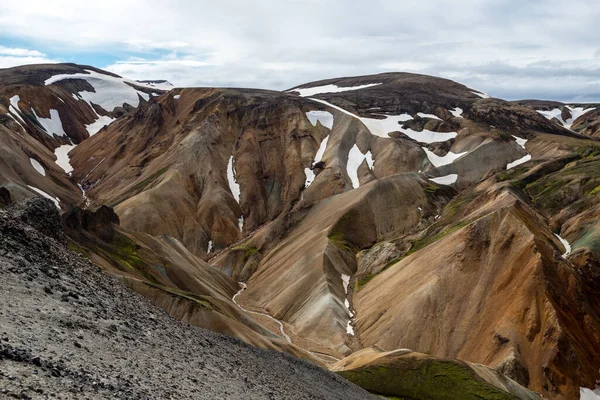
69 331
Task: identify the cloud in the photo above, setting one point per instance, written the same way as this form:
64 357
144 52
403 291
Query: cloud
12 57
508 48
8 51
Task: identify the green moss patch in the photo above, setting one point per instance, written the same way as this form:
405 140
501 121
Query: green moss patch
415 378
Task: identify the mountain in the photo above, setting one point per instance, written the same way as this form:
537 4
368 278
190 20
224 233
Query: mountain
390 211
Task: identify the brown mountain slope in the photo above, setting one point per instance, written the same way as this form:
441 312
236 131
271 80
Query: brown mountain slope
409 211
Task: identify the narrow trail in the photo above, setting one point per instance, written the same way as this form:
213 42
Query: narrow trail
281 328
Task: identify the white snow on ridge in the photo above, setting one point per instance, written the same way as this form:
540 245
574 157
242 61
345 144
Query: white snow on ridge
355 158
177 96
62 157
457 112
324 117
382 127
304 92
445 180
109 92
566 244
481 94
519 161
55 200
233 185
423 115
166 85
38 167
589 394
438 161
52 125
100 123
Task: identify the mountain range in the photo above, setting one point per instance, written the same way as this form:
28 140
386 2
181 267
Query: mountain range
415 236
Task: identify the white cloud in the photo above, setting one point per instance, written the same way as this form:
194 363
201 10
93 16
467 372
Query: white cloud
10 51
507 48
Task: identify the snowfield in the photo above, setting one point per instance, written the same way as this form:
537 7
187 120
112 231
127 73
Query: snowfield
355 159
324 117
304 92
576 112
457 112
445 180
233 185
55 200
100 123
345 283
438 161
38 167
52 125
423 115
109 92
481 94
520 161
62 157
520 142
589 394
382 127
566 245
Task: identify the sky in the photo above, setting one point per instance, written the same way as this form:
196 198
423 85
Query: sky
512 49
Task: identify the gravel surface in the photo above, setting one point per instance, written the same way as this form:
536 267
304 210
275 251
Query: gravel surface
69 331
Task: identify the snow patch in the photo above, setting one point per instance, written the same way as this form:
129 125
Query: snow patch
438 161
62 157
14 109
423 115
519 161
100 123
308 172
520 142
381 127
325 117
481 94
233 185
52 125
55 200
355 158
589 394
566 245
177 96
303 92
38 167
241 223
109 91
445 180
457 112
310 177
345 283
210 246
576 112
321 151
